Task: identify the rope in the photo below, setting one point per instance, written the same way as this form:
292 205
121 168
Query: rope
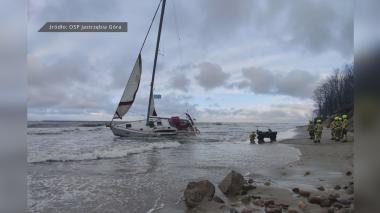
151 23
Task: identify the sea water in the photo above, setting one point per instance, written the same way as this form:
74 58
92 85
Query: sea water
83 167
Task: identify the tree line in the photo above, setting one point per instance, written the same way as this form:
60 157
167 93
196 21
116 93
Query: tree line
335 94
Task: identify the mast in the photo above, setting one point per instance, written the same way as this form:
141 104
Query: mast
155 58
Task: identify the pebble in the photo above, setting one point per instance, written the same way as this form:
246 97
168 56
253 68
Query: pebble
337 187
301 205
296 190
348 173
315 200
321 188
267 183
273 210
307 173
246 210
232 210
304 193
217 199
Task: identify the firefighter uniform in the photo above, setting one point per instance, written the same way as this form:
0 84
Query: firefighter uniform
344 128
318 131
338 129
310 128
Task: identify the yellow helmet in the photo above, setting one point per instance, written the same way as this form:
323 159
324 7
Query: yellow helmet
336 118
340 119
319 121
344 116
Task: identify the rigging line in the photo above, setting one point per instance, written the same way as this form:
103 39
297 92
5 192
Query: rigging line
178 35
151 23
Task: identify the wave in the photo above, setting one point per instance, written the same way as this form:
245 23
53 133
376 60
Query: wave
97 153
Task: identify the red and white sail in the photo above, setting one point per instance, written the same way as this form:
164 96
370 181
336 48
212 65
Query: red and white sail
130 90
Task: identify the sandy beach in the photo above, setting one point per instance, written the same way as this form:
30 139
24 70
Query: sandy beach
323 171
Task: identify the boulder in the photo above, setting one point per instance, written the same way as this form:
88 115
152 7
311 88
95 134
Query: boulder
218 199
232 184
326 202
337 187
315 200
196 192
304 193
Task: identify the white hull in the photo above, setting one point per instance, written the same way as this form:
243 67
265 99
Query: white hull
158 127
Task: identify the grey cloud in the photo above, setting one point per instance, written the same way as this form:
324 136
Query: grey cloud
295 83
180 82
224 17
211 76
315 26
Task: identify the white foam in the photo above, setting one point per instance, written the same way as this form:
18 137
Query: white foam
97 153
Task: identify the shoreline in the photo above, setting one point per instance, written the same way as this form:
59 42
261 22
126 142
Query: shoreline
322 170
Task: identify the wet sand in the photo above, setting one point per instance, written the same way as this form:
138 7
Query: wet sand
324 164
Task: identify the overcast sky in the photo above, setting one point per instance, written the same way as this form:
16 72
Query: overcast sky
222 60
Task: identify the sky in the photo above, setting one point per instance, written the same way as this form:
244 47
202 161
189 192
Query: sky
219 60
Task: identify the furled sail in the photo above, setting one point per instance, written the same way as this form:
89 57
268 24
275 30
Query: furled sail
152 108
130 90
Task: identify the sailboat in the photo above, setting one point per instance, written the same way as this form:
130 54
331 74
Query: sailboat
153 125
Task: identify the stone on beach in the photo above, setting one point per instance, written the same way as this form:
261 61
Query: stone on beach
232 184
196 192
218 199
304 193
315 200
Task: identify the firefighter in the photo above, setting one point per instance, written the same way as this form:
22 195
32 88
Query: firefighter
310 128
332 128
252 137
338 129
318 131
344 128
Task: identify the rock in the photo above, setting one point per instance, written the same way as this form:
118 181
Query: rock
197 191
333 197
304 193
321 188
292 211
218 199
245 199
267 183
315 200
258 202
302 205
284 206
250 181
246 210
348 173
268 202
331 210
248 187
273 210
350 189
345 202
244 192
306 173
338 206
326 202
337 187
296 190
232 210
255 197
232 184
